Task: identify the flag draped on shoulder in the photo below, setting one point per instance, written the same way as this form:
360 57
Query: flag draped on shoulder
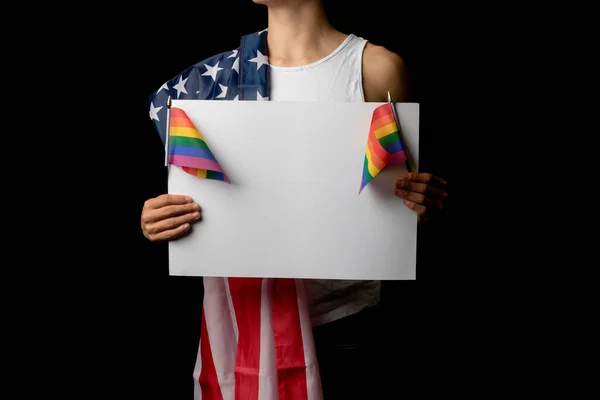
256 338
240 74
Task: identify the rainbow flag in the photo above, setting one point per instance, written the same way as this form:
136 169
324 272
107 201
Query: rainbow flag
384 145
188 149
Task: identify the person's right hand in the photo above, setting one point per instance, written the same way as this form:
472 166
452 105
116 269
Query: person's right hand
169 216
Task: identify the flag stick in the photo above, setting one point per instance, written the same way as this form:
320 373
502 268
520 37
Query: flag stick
167 130
393 107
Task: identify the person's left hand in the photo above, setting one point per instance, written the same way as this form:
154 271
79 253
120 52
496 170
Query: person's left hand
422 192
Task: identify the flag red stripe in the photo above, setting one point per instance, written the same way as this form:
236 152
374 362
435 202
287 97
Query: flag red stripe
382 121
246 299
209 382
289 348
376 148
382 111
176 112
181 122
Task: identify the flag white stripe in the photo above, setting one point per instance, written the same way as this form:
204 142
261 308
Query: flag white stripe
198 369
313 377
231 309
267 383
221 335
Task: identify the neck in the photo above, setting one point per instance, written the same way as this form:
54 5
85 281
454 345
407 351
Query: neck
299 33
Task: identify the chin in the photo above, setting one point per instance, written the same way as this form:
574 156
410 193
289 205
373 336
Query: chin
279 2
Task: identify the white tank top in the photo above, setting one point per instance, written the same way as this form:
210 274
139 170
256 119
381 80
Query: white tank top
337 77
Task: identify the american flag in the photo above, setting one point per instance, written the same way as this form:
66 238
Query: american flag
256 338
240 74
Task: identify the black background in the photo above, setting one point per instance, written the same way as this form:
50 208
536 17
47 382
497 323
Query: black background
144 325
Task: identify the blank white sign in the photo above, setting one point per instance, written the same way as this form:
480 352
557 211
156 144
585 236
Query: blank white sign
292 208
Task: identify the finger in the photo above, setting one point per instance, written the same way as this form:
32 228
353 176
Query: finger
411 186
172 223
419 209
167 199
436 193
171 233
430 191
169 211
414 197
421 199
425 177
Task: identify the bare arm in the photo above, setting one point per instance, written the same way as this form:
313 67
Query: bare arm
384 71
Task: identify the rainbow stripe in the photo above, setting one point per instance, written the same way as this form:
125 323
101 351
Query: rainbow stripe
384 146
188 149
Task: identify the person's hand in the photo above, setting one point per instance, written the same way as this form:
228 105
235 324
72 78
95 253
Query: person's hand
422 192
169 216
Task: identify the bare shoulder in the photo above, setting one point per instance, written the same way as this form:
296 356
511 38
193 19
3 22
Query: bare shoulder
383 71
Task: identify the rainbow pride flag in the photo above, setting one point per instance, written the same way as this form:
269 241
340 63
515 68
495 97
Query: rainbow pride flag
188 149
384 145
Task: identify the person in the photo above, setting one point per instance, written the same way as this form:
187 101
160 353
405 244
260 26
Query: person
310 60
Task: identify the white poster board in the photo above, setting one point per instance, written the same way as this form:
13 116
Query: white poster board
292 208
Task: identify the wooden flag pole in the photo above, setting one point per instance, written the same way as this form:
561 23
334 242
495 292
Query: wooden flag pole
167 132
408 160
